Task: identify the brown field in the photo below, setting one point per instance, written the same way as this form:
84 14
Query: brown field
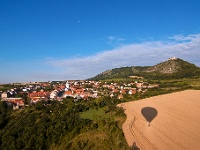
174 121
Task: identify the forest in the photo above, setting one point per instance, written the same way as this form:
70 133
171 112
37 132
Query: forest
60 125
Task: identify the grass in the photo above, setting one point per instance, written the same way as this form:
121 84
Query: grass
193 82
95 114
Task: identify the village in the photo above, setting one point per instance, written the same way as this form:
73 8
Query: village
25 94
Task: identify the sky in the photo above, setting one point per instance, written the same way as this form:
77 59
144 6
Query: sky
45 40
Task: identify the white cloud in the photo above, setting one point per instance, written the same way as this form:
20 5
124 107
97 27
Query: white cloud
115 41
185 38
111 38
143 54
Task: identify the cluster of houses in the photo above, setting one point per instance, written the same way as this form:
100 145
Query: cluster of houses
74 89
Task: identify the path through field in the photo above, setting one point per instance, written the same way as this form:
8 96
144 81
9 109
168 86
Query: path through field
164 122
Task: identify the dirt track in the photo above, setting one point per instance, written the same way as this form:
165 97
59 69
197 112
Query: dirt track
174 121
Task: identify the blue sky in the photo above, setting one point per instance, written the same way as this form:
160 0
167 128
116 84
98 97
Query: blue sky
42 40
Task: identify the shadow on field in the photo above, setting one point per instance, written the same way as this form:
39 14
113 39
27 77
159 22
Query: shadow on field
135 147
149 113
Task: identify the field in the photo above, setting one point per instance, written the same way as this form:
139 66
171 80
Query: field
170 121
95 114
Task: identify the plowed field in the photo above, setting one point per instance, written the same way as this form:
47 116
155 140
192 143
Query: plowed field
170 121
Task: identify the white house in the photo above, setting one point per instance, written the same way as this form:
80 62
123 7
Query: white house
53 94
4 95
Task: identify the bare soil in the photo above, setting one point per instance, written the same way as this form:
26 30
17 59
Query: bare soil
170 121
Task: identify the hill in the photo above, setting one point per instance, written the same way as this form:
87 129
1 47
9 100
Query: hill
172 68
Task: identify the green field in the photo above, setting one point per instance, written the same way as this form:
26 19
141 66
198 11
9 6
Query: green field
96 114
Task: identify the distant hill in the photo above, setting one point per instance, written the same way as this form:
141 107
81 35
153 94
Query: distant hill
172 68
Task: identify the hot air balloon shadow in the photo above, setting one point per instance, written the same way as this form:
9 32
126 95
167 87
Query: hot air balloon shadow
149 113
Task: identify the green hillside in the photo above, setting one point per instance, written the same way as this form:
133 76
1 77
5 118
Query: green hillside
170 69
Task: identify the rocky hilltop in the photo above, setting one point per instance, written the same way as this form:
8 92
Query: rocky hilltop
168 67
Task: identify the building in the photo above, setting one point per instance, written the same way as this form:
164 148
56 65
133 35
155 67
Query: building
36 96
16 103
4 95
